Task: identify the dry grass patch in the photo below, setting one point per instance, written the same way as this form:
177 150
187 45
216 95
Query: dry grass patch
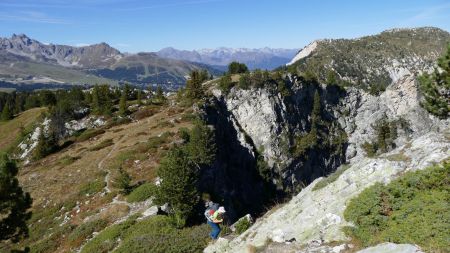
10 130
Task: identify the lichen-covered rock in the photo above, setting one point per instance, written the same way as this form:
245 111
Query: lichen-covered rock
392 248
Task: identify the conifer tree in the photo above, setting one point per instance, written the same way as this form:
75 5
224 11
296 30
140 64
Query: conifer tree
179 184
436 88
14 203
139 97
194 88
159 95
6 113
123 101
95 100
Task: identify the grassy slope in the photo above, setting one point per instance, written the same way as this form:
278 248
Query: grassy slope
10 130
73 175
58 73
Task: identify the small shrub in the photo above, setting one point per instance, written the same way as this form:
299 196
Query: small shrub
90 133
116 121
242 225
102 145
91 187
107 239
225 84
153 235
369 148
141 193
121 180
85 230
67 160
145 113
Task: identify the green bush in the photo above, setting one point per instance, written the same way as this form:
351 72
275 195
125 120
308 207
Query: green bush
67 159
102 145
153 235
242 225
106 240
237 68
92 187
90 133
386 134
121 180
412 209
141 193
225 84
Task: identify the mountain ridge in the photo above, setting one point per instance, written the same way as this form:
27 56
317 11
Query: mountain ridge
262 58
28 61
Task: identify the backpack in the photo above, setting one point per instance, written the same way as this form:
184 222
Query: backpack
210 210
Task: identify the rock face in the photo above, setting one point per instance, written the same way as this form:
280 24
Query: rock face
316 217
263 126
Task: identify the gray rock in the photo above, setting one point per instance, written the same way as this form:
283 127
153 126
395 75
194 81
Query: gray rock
392 248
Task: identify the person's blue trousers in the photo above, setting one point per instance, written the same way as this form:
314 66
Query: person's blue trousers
215 230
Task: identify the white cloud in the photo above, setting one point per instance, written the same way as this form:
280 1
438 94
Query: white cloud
30 16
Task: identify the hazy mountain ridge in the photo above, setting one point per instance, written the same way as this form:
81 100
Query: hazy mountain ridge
27 61
263 58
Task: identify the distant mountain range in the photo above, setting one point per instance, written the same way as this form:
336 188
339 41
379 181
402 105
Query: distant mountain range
25 61
263 58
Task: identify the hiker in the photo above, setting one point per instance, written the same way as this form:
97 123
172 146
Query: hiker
214 216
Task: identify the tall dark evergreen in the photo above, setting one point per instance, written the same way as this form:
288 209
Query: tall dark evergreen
14 203
179 184
180 171
123 101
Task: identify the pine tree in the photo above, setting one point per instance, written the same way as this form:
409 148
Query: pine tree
316 111
159 97
123 101
436 88
95 100
194 88
14 203
201 145
45 146
6 113
179 184
139 97
237 68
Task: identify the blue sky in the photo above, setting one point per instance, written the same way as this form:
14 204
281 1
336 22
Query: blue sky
137 25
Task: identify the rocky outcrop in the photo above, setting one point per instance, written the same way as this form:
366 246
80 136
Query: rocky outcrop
361 111
316 217
377 60
392 248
